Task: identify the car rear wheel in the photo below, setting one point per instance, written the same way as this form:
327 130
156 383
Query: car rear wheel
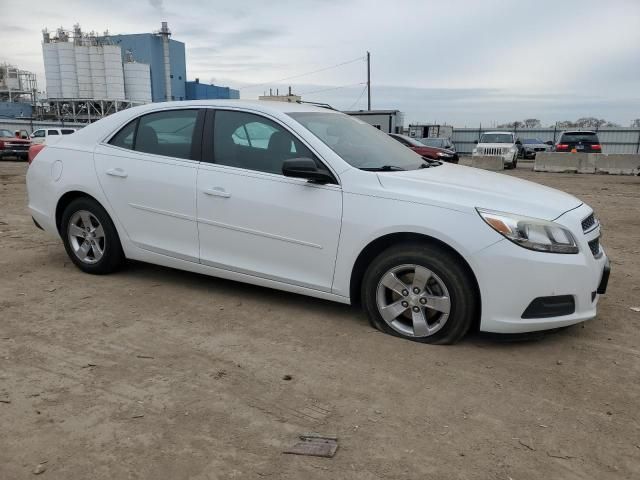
90 238
420 292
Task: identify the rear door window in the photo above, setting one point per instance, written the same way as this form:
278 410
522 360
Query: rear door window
124 138
52 132
169 133
67 131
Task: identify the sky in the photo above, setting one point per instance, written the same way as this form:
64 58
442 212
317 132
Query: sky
461 62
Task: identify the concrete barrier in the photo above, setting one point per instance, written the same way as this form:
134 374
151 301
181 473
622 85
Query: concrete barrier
488 162
614 164
617 164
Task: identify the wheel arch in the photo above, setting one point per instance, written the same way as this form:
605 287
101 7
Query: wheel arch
375 247
66 199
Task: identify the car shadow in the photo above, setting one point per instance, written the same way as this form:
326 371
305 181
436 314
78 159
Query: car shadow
154 274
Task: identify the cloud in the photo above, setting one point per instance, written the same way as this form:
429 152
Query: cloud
158 5
458 60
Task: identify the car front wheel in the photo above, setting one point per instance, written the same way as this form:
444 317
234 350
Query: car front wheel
90 238
420 292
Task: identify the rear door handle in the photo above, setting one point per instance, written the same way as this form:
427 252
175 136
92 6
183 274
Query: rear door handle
117 172
217 192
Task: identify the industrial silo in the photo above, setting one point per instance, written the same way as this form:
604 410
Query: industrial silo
51 68
83 68
98 82
137 82
68 75
113 72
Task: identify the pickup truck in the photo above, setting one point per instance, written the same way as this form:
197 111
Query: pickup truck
13 146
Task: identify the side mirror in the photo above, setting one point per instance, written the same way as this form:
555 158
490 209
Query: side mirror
306 168
475 141
550 143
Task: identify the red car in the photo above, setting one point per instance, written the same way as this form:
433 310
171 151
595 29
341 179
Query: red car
13 146
34 150
425 151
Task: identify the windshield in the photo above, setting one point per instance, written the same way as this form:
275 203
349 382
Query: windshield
411 141
5 133
532 141
496 138
433 142
572 137
358 143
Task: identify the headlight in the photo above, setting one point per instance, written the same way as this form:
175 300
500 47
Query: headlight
513 149
531 233
475 150
442 154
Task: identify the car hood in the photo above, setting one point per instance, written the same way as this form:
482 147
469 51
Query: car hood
465 188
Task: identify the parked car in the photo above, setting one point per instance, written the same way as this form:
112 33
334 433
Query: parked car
33 151
43 135
501 144
531 146
425 151
444 143
12 145
579 141
329 208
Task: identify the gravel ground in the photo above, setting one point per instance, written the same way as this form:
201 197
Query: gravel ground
156 373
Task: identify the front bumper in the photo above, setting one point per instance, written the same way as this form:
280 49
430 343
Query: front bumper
10 152
512 277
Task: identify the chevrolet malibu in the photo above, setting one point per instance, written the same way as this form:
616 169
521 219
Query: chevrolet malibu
309 200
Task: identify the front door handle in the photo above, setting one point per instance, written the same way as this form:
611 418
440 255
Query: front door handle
117 172
217 192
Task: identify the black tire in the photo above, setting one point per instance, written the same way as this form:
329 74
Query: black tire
113 257
451 271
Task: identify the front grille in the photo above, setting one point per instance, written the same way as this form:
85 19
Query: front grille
588 223
594 246
16 146
493 151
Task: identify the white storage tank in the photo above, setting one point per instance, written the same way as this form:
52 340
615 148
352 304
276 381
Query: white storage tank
52 70
137 82
98 81
113 72
68 75
83 68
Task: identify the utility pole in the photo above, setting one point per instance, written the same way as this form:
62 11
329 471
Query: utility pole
368 81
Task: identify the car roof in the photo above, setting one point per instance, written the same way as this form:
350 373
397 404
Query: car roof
571 132
510 133
266 106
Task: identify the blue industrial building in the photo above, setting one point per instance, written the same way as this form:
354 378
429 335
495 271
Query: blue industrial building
201 91
147 48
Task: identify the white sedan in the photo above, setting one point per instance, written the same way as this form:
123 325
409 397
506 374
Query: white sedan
309 200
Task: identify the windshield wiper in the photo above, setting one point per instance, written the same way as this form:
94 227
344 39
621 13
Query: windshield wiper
383 168
429 162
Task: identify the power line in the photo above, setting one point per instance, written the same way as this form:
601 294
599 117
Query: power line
332 88
356 102
302 74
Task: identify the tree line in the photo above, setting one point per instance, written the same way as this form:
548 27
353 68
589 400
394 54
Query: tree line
584 122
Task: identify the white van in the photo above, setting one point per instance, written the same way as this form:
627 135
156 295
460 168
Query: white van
42 135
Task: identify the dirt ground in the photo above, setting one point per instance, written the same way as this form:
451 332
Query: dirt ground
153 373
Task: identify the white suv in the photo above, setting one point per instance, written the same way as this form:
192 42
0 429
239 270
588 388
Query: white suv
43 135
501 144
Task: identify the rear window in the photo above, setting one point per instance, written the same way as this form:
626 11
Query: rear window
575 137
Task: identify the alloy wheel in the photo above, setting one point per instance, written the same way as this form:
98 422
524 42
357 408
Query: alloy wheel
413 300
86 237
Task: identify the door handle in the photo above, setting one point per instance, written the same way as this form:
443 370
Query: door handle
217 192
117 172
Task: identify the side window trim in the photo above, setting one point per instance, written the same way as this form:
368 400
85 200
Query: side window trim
208 148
